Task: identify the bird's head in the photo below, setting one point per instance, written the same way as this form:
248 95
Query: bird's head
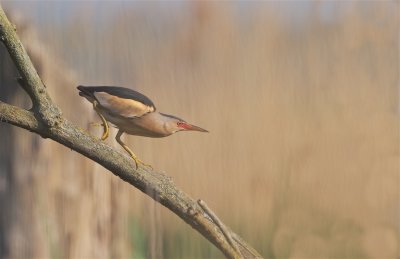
175 124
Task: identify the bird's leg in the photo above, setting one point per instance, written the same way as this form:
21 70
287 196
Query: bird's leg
105 124
137 160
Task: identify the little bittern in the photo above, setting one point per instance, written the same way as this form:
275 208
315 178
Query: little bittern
132 113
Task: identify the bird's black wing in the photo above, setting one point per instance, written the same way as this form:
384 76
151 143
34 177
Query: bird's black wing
120 101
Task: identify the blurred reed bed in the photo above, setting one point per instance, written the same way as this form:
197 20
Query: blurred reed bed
302 155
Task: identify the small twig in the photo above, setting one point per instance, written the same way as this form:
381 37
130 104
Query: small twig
246 247
221 225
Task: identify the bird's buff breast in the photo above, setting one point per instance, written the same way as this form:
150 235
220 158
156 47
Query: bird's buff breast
142 126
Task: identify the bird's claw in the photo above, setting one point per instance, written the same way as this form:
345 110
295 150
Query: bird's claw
105 127
131 154
140 162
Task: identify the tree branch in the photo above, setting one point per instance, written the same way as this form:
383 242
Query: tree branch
46 120
19 117
42 104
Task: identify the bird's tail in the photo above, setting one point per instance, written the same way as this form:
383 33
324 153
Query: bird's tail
83 91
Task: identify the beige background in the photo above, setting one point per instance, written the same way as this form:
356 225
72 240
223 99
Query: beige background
300 98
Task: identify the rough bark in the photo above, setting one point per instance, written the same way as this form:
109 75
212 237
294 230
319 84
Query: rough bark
45 119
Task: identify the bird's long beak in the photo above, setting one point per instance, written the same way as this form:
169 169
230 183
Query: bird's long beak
188 126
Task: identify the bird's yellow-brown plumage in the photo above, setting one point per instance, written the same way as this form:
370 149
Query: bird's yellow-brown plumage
123 107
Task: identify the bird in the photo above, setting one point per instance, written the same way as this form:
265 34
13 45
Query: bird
132 113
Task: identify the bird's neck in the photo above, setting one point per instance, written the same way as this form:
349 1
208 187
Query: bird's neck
157 123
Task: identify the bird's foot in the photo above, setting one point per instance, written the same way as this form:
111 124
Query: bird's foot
131 154
105 129
140 162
